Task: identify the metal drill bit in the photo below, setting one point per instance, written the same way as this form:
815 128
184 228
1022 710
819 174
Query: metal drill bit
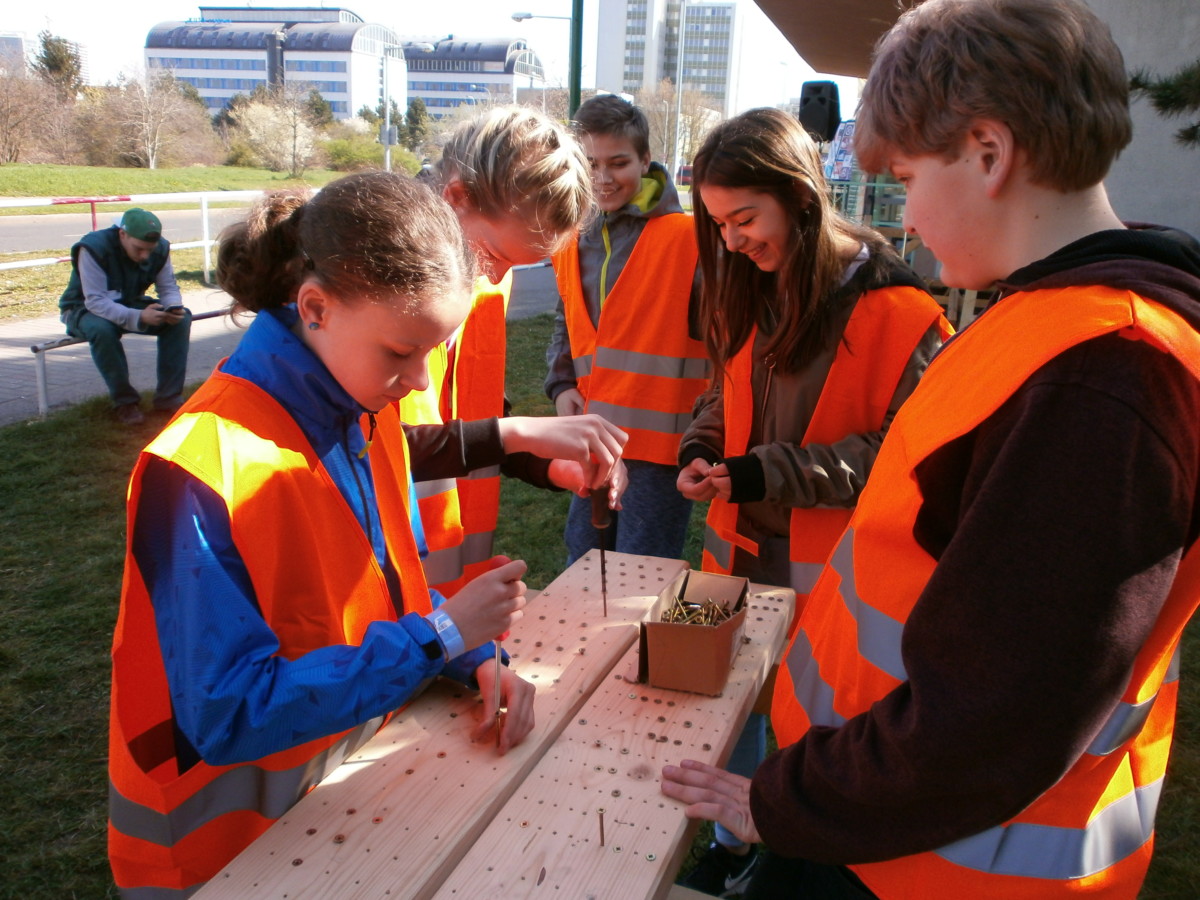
600 521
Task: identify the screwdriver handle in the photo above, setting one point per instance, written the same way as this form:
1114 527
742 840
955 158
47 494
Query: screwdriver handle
600 511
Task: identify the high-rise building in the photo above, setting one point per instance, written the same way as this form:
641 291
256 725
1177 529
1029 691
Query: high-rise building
18 47
638 46
232 50
15 50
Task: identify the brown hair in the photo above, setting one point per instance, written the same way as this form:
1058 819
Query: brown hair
611 115
373 235
1050 71
768 151
516 163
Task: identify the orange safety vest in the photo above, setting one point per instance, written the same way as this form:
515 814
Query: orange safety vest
1092 832
881 334
475 390
437 499
466 381
169 832
640 370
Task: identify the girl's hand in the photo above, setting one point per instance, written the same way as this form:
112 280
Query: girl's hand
582 439
489 604
516 695
713 794
700 480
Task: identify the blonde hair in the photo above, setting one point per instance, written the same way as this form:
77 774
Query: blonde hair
375 236
1050 71
514 162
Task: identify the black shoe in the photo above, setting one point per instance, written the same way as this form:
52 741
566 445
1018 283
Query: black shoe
129 414
169 410
721 872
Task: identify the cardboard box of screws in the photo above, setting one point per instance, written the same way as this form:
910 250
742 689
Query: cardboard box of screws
692 633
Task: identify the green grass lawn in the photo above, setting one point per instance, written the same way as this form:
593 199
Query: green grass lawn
45 180
62 490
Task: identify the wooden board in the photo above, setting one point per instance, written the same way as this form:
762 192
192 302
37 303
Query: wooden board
545 842
395 818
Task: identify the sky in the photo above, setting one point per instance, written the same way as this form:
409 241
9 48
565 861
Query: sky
115 35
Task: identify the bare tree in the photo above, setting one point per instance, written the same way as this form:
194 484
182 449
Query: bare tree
677 126
148 109
145 122
23 100
57 139
278 130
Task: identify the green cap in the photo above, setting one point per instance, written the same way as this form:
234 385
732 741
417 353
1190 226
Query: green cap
142 225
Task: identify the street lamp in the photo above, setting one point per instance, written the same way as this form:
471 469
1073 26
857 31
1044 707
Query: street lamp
675 147
574 61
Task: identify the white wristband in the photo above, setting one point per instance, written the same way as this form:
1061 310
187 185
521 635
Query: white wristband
447 632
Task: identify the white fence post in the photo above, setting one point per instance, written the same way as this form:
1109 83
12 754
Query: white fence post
204 236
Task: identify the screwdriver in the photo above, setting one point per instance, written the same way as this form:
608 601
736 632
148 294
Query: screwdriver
600 521
499 642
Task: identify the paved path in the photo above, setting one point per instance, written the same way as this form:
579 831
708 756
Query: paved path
72 377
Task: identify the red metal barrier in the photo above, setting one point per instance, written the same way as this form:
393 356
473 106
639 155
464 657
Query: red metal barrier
90 200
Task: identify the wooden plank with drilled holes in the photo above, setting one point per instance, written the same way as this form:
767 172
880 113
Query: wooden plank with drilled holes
546 840
395 818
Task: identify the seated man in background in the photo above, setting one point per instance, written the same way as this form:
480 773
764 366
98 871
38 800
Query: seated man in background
105 299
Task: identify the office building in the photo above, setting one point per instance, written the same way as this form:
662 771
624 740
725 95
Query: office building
638 46
233 50
448 73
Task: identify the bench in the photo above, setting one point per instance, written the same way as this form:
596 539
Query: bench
40 350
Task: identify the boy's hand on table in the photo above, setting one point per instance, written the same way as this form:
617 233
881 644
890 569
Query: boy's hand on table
713 794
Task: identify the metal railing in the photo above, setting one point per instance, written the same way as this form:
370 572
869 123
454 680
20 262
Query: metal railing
874 203
198 198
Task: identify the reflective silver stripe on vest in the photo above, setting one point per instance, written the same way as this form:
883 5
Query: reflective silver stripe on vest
477 547
1128 718
443 565
651 363
426 489
1046 851
720 549
485 472
813 694
878 634
645 419
269 793
583 365
804 576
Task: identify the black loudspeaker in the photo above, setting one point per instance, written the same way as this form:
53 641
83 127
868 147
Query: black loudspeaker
819 112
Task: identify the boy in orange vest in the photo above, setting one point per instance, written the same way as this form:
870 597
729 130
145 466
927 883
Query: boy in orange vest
621 345
979 700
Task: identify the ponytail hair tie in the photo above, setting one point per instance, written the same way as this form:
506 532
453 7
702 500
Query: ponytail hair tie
308 263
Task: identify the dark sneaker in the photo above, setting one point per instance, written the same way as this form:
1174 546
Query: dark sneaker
167 410
722 873
129 414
